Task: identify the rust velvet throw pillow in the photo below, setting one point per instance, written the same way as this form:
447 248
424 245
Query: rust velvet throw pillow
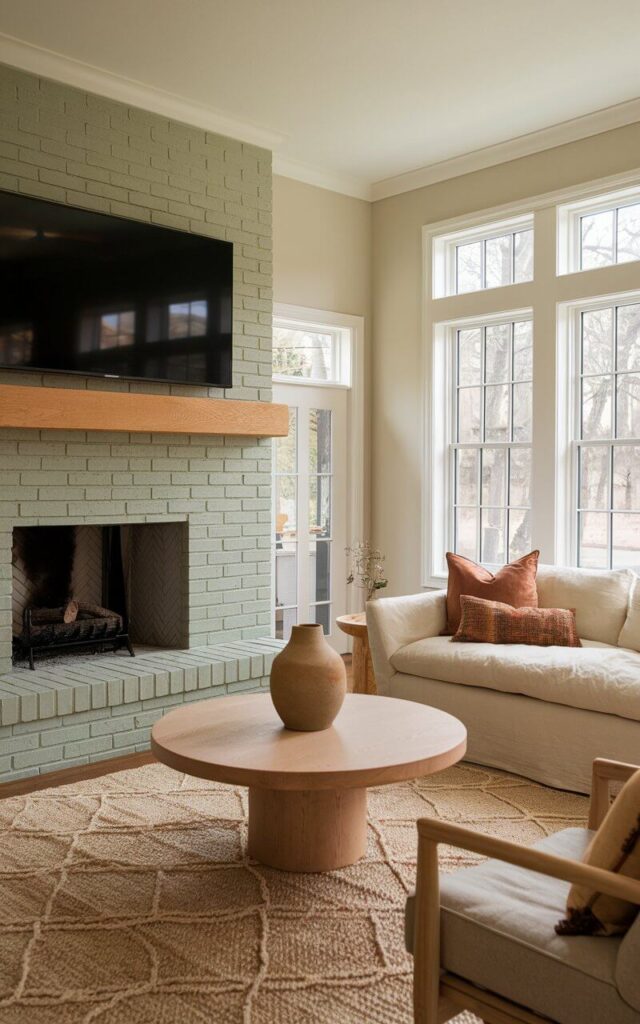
514 584
489 622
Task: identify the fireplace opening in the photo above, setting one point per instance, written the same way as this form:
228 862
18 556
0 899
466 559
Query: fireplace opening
97 588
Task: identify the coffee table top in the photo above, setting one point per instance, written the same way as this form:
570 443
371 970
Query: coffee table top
374 740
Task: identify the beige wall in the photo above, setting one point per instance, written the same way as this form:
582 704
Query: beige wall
397 298
322 253
321 248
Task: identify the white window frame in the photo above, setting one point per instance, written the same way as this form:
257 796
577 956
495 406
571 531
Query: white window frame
550 297
569 217
351 332
445 246
443 433
322 322
570 315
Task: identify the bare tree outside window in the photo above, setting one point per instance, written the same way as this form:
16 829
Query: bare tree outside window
491 449
610 236
609 437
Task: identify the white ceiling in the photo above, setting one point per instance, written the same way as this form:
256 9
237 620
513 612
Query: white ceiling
348 92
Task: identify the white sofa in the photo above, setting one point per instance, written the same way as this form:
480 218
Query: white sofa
541 712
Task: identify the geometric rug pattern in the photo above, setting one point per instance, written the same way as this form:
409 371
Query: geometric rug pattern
128 899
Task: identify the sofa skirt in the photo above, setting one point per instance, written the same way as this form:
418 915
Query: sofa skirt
550 743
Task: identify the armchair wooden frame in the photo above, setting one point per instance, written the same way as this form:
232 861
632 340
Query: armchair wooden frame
437 996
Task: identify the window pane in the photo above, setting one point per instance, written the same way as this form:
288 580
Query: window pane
285 619
628 405
468 461
469 414
519 533
319 570
286 488
300 353
320 506
496 412
522 411
596 231
596 408
287 447
466 525
320 441
628 337
519 476
626 540
523 350
321 613
493 536
468 267
494 476
597 341
498 261
469 356
594 476
497 351
593 540
626 477
523 256
629 233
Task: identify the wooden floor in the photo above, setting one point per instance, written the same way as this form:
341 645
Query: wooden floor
89 771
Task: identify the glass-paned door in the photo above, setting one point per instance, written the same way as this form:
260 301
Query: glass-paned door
310 499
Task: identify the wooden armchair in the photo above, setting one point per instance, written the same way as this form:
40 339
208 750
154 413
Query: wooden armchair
464 960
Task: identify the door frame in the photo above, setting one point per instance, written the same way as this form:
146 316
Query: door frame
353 382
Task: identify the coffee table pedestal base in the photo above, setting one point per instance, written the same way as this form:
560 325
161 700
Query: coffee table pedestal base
307 830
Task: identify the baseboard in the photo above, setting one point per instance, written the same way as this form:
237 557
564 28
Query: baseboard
76 774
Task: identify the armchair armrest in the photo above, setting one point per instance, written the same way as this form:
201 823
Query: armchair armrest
608 882
605 772
394 622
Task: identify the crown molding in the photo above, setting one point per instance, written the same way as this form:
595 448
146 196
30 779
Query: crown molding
49 64
524 145
334 181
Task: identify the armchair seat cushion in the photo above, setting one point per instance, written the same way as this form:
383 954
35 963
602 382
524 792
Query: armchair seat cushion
497 931
595 677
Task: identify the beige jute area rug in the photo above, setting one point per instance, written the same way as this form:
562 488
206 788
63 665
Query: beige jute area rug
127 900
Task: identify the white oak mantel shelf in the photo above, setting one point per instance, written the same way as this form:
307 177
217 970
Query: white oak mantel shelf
70 409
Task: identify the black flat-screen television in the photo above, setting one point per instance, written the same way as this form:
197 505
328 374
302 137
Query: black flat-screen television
88 293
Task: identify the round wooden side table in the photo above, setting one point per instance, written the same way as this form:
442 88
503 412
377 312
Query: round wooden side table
364 680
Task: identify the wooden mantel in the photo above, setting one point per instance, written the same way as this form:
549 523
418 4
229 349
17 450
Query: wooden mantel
67 409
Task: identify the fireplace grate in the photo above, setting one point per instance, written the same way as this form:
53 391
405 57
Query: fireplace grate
93 627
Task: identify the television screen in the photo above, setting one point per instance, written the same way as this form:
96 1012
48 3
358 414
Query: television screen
83 292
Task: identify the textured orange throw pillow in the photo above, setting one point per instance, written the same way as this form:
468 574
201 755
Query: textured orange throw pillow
514 584
489 622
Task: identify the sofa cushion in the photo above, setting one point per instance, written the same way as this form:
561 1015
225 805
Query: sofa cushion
513 584
595 677
599 597
630 632
492 622
497 931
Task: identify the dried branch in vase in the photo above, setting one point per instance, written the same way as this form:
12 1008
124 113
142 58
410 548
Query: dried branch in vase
367 568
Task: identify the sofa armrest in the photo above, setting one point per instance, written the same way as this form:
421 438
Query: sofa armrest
394 622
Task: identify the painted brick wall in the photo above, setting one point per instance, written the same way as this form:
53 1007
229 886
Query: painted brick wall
72 147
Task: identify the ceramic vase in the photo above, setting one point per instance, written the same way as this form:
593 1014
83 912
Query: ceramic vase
308 680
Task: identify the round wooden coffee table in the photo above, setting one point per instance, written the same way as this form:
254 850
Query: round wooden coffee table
308 790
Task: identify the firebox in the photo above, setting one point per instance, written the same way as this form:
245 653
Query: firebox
98 587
